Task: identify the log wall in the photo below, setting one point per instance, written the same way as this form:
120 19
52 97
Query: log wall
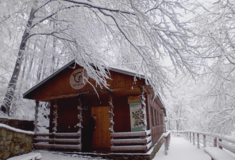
131 141
59 85
155 118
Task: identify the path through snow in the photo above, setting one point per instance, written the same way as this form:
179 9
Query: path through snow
181 149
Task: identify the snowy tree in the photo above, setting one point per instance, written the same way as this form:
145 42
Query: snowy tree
215 27
93 31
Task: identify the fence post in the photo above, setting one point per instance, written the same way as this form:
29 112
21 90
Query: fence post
204 140
190 137
198 144
219 145
165 145
193 138
215 142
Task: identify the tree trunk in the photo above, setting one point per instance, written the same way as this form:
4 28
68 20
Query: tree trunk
14 78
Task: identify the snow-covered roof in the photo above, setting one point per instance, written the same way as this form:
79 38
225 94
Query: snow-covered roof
111 68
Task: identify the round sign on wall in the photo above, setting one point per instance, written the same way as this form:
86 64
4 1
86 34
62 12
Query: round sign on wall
77 80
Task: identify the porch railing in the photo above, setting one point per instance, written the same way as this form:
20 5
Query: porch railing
131 141
65 141
204 139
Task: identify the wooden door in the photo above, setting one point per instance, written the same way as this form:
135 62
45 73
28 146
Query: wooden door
101 135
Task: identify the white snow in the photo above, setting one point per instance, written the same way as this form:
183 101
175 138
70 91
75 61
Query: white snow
50 155
181 149
27 156
15 129
218 154
15 118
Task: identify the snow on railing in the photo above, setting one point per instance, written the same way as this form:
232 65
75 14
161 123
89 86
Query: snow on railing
217 139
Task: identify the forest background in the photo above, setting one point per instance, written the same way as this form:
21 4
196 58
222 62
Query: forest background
185 48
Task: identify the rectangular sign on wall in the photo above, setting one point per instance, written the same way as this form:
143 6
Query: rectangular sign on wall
136 117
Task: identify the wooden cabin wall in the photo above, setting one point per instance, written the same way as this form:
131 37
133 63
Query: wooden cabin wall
59 85
155 119
121 114
67 115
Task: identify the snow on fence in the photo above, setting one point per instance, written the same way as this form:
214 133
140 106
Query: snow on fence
209 139
167 137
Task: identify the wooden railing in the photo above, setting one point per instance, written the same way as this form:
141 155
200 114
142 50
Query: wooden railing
66 141
204 139
131 141
156 133
167 138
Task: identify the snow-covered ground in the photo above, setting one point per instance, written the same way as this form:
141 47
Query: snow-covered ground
53 155
181 149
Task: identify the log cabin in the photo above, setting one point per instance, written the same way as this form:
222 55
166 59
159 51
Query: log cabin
129 119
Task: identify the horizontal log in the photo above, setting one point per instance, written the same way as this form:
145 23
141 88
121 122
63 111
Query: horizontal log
227 146
226 138
51 140
129 141
139 148
69 135
43 134
149 145
57 146
129 134
148 139
148 132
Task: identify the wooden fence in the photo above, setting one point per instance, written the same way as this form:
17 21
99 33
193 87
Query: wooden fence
204 139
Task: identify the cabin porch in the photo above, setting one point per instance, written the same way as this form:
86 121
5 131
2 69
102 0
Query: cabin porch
69 124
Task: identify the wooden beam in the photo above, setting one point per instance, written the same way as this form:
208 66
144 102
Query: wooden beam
133 99
111 113
79 109
55 117
137 148
128 134
129 141
135 89
36 117
143 107
57 146
64 135
73 141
